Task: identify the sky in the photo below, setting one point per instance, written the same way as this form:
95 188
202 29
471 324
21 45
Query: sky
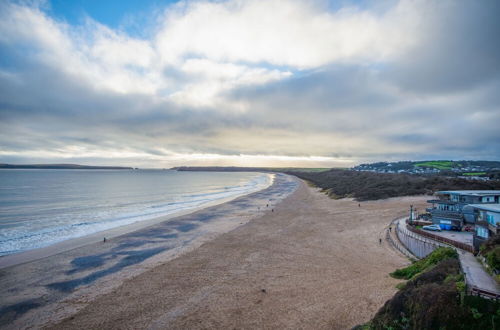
248 83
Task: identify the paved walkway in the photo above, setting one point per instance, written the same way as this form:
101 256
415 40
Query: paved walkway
459 236
475 274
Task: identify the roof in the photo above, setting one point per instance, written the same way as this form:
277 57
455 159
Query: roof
439 201
470 192
487 207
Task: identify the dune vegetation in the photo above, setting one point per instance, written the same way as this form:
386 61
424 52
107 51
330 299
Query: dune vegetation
434 298
363 185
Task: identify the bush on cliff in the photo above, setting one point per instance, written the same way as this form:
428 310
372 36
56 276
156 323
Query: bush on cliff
435 299
491 252
419 266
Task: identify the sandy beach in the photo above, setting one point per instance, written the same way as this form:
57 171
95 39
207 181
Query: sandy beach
42 285
305 262
312 263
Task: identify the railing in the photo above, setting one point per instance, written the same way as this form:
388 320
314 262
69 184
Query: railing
413 234
418 246
446 214
493 228
421 223
475 291
438 238
441 201
396 244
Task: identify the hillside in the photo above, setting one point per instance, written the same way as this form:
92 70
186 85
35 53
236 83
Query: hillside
480 168
62 166
246 169
434 298
370 186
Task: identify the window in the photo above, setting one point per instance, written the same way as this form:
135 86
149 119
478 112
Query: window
482 232
490 219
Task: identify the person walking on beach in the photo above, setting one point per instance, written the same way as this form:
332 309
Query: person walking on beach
380 241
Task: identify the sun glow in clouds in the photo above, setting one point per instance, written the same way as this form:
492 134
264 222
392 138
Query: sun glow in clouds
245 81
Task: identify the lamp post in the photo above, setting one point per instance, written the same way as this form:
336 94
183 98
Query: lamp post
411 214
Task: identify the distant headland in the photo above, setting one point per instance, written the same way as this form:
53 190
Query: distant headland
62 167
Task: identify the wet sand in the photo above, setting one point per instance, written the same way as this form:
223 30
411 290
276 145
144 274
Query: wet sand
56 286
44 252
313 263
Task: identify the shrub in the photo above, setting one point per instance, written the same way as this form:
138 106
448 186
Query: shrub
419 266
493 258
370 186
435 299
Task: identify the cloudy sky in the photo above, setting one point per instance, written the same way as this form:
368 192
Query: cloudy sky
259 83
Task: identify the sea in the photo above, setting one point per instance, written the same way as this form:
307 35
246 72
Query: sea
41 207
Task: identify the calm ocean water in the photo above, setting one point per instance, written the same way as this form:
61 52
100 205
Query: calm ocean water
42 207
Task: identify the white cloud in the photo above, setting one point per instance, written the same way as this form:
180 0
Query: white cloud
232 80
224 45
210 79
101 57
291 33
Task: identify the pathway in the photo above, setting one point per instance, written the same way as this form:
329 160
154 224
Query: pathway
475 274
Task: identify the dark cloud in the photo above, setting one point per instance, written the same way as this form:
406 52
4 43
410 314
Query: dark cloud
460 48
330 89
438 100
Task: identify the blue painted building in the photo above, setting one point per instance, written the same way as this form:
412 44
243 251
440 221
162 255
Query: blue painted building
452 209
487 222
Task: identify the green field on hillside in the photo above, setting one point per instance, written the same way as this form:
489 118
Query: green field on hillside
298 169
439 164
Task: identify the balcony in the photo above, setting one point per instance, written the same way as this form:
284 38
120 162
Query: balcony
493 228
452 215
441 201
483 223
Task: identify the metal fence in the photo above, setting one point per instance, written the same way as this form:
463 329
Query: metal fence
395 243
398 246
475 291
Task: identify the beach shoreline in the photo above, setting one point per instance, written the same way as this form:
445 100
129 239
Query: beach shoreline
132 250
313 262
74 243
303 260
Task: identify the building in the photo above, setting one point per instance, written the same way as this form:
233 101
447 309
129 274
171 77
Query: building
487 222
452 208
